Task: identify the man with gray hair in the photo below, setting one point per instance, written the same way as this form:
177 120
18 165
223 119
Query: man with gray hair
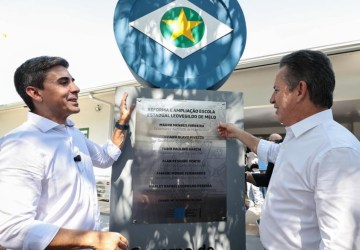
310 202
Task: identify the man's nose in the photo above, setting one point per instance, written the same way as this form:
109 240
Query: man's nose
74 88
272 99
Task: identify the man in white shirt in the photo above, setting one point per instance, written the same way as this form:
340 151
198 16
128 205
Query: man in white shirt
310 202
47 184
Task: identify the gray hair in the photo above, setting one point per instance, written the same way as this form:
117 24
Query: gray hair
315 68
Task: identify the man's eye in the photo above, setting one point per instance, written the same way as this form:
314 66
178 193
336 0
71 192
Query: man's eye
64 83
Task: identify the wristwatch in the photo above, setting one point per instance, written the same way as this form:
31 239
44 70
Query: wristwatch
121 126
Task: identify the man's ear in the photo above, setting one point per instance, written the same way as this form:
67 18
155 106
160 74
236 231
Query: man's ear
302 90
34 93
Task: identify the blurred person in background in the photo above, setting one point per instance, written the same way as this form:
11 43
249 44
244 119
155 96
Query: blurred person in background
254 196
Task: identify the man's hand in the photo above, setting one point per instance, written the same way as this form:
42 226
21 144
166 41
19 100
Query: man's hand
111 240
125 113
79 239
229 130
118 137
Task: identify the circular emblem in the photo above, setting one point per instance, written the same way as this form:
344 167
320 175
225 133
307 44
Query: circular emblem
182 26
180 44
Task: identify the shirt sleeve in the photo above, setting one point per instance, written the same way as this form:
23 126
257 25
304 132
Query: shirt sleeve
267 151
39 236
21 174
105 155
336 182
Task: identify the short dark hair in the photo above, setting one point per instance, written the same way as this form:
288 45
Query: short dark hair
33 73
315 68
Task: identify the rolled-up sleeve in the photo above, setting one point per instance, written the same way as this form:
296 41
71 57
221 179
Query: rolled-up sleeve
105 155
39 236
267 151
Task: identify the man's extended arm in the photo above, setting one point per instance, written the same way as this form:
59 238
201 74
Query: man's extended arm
228 130
80 239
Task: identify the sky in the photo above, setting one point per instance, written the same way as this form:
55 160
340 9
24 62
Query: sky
82 32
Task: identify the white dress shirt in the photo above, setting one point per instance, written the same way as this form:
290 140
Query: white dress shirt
42 188
312 200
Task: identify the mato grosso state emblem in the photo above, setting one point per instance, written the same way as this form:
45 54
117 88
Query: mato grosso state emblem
180 44
182 26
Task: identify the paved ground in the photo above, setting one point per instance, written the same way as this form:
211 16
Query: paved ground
252 231
253 243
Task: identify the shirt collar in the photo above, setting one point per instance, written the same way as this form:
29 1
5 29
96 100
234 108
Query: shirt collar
45 124
312 121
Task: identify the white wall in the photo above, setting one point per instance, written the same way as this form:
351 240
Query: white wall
11 118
